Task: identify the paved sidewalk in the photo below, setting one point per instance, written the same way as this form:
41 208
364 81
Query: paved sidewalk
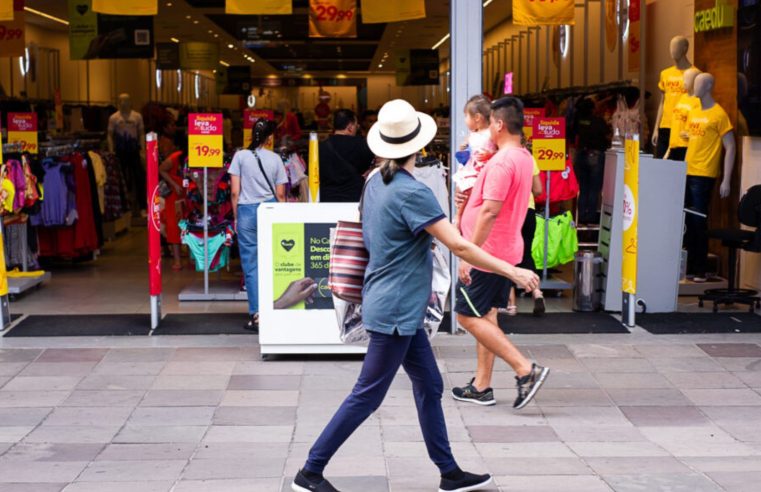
620 412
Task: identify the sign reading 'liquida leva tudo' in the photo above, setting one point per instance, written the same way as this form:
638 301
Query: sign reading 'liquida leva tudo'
22 129
549 144
205 140
721 16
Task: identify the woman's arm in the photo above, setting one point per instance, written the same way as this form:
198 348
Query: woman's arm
536 186
447 234
280 192
235 192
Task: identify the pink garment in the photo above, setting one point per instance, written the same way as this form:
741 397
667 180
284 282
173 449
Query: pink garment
481 150
506 178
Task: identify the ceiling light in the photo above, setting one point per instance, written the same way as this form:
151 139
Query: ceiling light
230 46
169 4
380 65
210 31
487 3
174 40
195 22
224 63
216 35
47 16
441 41
341 76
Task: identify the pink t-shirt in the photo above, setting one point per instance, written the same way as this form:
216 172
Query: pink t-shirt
506 178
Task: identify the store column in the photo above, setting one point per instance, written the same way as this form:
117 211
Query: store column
466 28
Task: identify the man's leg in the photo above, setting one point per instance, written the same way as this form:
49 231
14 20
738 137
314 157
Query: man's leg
491 338
485 367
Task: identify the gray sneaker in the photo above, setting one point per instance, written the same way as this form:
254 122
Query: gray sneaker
529 384
470 394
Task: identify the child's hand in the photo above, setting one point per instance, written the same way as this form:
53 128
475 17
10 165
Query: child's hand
483 155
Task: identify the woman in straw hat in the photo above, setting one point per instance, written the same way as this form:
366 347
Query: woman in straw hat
400 218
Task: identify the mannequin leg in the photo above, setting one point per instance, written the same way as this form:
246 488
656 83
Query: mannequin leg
698 197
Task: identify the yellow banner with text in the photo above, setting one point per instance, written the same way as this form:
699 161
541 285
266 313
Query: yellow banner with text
126 7
544 12
631 215
259 7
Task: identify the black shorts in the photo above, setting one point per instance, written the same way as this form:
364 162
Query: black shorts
485 292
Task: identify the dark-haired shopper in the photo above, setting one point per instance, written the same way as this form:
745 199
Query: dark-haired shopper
344 159
400 219
258 176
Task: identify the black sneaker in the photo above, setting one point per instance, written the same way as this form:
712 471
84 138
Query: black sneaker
529 384
539 307
303 484
470 394
467 483
253 324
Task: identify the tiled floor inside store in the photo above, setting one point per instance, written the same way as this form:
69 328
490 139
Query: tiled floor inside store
628 412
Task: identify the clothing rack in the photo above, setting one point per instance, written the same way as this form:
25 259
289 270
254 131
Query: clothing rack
12 148
580 90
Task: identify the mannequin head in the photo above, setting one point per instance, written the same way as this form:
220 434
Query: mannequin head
125 103
689 80
704 85
679 47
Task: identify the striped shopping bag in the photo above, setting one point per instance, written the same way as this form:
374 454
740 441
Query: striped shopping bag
348 261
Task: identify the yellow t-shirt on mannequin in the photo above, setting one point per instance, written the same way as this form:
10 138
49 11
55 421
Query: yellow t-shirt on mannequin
671 84
706 129
679 116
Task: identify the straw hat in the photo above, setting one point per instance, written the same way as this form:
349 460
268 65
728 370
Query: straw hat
400 130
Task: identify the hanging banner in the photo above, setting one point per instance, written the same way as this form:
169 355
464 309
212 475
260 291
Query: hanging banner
332 18
314 168
549 143
205 141
635 43
22 128
199 56
6 10
631 215
250 117
611 24
378 11
529 114
259 7
126 7
544 12
507 87
83 28
167 56
154 216
13 32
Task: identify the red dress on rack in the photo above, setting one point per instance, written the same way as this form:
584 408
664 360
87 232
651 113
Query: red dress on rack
80 239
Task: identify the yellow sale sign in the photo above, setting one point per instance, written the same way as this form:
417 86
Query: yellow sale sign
259 7
332 18
126 7
6 10
378 11
631 215
205 141
22 129
548 144
314 168
544 12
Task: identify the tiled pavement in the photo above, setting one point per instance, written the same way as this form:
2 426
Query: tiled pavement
620 412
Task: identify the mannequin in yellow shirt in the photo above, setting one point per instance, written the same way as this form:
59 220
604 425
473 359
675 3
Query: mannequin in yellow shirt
686 103
709 131
671 84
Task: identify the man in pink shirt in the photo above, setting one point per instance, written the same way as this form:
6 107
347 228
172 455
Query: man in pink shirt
493 219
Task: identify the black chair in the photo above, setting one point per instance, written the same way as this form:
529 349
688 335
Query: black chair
749 214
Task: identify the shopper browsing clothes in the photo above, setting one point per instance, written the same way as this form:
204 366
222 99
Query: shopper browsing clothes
400 217
493 219
257 176
174 194
344 159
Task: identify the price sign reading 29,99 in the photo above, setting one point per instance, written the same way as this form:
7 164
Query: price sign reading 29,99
549 146
205 141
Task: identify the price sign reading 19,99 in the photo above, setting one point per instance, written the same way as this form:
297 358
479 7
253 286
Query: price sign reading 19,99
22 129
549 144
205 141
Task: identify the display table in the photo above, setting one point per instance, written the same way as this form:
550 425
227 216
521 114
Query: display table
661 222
294 245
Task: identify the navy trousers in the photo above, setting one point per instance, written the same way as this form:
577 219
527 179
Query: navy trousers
384 356
697 197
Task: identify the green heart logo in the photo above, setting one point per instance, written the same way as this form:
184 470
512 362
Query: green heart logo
288 244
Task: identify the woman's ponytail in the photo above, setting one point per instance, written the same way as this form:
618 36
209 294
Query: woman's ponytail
260 133
390 167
